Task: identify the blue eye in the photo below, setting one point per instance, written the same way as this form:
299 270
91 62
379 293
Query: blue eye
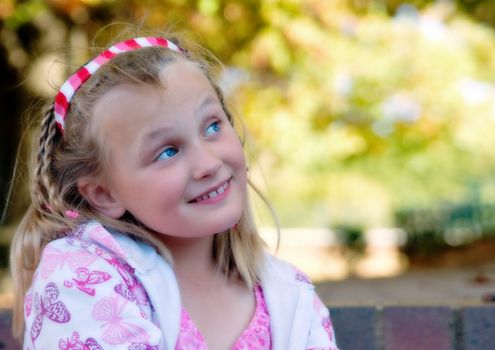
213 128
167 153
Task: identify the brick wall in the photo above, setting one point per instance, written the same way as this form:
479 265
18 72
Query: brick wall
7 342
387 328
415 328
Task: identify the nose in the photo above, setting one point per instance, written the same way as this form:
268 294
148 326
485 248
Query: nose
205 161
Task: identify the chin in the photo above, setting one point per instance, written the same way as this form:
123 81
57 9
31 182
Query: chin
220 227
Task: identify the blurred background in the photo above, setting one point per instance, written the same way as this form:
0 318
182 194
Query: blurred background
369 125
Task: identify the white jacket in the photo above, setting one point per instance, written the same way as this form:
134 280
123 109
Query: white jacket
100 290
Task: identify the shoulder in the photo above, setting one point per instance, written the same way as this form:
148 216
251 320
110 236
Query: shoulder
85 267
313 317
92 242
277 268
83 247
73 263
91 251
65 255
77 287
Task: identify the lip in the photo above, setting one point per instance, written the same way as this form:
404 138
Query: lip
219 197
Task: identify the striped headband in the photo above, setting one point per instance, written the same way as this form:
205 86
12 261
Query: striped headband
71 85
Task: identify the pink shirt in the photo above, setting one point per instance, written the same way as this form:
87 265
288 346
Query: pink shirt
255 337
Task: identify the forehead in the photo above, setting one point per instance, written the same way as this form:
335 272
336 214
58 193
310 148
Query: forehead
129 109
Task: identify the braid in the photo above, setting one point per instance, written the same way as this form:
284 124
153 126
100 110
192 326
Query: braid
44 189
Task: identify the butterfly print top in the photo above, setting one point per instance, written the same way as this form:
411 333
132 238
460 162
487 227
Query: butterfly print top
85 296
99 289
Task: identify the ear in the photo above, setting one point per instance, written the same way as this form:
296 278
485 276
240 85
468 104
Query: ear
100 197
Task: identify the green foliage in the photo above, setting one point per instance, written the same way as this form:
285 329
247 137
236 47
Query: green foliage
354 109
24 12
375 100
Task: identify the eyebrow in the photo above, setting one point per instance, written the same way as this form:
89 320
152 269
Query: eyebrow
157 134
207 100
151 138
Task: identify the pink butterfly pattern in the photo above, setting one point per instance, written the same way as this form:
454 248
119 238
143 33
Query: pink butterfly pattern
109 310
326 323
84 279
301 276
131 289
142 346
75 343
105 238
55 259
28 304
48 306
112 305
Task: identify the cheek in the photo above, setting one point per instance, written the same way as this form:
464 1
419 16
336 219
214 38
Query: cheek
239 163
172 193
237 155
168 186
240 173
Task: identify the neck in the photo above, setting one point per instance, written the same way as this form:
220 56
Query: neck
192 256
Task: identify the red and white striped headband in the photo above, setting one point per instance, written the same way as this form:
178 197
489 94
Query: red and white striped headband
71 85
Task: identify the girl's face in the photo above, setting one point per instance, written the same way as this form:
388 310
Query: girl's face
176 162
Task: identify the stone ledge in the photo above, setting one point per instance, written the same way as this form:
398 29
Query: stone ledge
414 327
385 328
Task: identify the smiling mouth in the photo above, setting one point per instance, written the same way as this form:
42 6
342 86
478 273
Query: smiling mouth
212 194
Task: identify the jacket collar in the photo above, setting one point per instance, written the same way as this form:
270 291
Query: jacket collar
141 256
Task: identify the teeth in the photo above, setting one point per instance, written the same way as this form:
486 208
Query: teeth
214 193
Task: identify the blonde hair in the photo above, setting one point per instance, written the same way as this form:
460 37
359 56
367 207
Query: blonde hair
61 160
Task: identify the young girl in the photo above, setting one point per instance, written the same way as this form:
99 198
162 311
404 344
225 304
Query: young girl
139 235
